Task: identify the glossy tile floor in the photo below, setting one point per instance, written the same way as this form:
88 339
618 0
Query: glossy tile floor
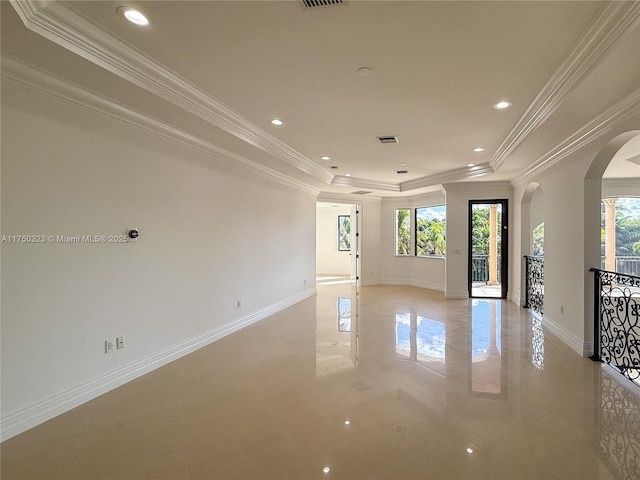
400 384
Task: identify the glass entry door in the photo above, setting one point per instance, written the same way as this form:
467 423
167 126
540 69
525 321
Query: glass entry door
488 237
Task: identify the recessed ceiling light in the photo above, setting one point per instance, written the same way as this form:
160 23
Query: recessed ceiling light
326 470
365 71
277 121
403 164
478 149
325 158
347 174
133 15
347 422
471 164
501 105
469 450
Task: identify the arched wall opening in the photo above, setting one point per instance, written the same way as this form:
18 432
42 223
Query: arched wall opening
532 214
592 221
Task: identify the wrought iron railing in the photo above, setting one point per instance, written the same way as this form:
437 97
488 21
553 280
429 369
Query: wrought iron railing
534 283
619 436
480 268
616 311
627 264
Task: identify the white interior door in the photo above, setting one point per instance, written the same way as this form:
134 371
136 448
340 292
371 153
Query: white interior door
355 245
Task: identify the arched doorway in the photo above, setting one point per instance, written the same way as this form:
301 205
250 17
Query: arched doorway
532 247
593 193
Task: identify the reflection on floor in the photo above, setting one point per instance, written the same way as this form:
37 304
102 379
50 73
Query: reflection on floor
332 279
397 383
481 289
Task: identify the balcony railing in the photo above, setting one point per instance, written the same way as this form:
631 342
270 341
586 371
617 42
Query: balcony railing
627 264
534 286
616 337
480 268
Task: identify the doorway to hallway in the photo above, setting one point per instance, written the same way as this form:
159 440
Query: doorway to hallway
488 257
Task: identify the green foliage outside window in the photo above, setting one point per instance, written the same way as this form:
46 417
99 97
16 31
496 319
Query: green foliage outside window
431 231
480 229
627 227
403 231
538 240
344 233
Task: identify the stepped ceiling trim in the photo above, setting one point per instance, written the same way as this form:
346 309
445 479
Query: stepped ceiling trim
65 27
618 113
446 177
613 21
68 29
343 180
28 76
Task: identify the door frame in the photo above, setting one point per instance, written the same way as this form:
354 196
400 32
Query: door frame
504 245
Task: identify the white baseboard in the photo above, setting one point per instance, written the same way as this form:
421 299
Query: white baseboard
456 294
409 283
576 344
43 410
587 349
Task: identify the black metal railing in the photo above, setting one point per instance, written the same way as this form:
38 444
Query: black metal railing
616 312
627 264
534 283
619 436
480 268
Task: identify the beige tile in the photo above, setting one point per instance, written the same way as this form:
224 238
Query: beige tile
36 459
271 401
135 448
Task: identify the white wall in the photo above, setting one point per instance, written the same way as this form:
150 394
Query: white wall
571 212
208 237
329 260
409 270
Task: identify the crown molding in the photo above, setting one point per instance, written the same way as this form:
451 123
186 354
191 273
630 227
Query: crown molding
422 182
622 111
445 177
614 19
27 76
65 27
344 181
347 198
496 189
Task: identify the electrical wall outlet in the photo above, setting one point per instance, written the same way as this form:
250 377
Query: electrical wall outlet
120 343
108 346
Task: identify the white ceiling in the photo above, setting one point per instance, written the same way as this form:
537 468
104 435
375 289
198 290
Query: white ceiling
221 70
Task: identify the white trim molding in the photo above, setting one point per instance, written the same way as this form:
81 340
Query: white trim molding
445 177
615 19
456 294
27 76
575 343
622 111
47 408
345 181
408 283
61 24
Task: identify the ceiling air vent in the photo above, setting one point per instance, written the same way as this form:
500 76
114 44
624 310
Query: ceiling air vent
402 172
360 192
321 3
388 139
